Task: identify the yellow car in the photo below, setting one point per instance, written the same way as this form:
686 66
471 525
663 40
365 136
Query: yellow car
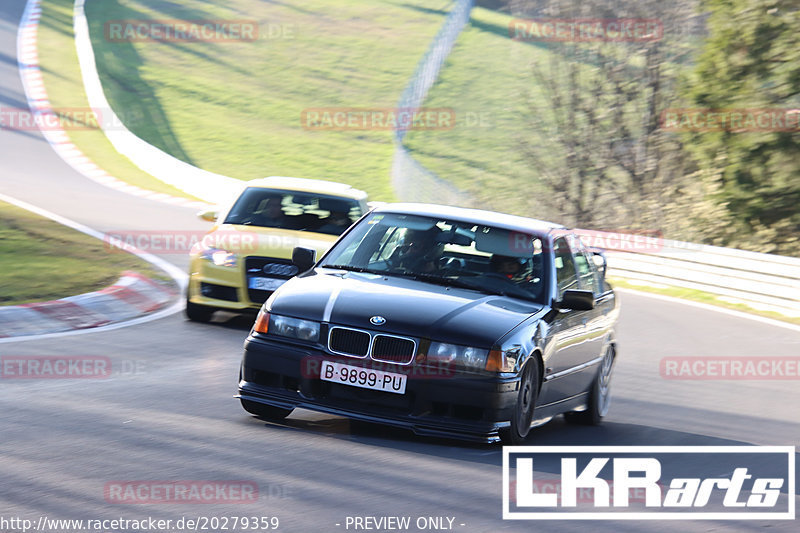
248 253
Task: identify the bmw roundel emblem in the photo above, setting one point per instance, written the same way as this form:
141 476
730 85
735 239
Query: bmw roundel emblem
377 321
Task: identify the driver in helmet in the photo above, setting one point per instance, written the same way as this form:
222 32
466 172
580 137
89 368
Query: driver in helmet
420 251
508 267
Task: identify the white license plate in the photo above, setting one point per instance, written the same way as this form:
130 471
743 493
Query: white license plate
265 284
365 378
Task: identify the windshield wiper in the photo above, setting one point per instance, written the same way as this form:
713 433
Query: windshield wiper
457 282
450 282
241 222
431 278
438 280
352 268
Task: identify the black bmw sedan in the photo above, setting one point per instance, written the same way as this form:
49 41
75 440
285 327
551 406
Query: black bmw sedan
446 321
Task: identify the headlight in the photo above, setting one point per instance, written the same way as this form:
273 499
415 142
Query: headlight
465 356
295 328
219 257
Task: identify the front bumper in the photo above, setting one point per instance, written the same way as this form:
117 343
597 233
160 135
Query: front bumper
227 287
457 405
217 286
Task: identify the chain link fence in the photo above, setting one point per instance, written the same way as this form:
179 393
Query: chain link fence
410 179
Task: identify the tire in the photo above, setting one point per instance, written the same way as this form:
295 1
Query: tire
525 406
600 396
267 412
198 313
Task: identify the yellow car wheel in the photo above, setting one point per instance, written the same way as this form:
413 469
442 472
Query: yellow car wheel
198 313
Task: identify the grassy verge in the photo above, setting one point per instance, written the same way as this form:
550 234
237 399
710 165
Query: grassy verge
62 78
700 296
235 107
41 260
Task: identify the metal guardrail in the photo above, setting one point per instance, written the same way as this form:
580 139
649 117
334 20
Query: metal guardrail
761 281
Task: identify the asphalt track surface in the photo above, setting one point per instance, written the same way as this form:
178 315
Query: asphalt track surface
170 415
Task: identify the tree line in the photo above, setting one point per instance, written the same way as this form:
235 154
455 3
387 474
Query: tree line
692 132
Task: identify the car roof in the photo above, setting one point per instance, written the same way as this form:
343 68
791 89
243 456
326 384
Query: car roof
478 216
308 185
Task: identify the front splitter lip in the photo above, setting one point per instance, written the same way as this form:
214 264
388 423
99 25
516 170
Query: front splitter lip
424 426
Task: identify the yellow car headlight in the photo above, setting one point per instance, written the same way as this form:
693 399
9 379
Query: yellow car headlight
219 257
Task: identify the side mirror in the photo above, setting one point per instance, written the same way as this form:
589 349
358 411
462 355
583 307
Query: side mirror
576 300
209 215
304 258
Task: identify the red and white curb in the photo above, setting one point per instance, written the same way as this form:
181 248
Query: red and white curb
133 300
33 83
132 296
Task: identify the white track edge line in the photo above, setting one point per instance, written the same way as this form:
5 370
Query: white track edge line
711 307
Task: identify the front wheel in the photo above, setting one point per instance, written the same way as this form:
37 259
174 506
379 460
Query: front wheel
198 313
525 406
600 396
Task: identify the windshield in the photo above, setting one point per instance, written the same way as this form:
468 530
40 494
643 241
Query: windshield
293 210
482 258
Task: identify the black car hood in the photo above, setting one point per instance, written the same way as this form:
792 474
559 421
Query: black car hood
410 307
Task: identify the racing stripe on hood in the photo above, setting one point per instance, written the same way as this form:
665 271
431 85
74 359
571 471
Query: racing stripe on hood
326 315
